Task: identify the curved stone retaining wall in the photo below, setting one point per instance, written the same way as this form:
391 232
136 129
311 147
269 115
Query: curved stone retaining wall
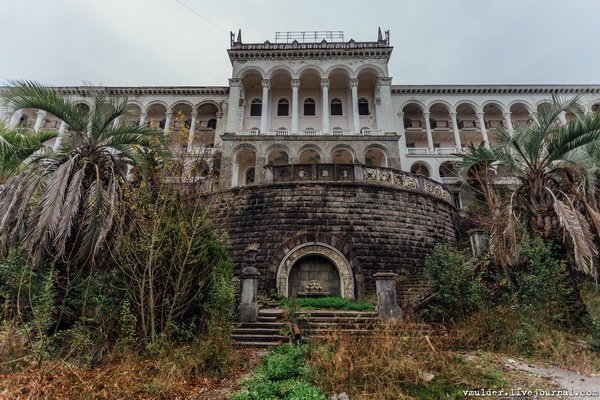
374 227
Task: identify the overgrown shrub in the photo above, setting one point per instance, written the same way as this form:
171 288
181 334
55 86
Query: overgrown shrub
331 302
282 374
458 287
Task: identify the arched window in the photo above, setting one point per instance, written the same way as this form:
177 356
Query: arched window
309 106
212 123
250 176
363 106
256 108
336 106
283 108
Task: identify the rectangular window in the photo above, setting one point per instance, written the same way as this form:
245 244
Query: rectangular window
309 109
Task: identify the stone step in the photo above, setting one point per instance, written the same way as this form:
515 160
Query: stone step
270 312
262 318
256 344
336 313
259 338
256 331
261 325
336 320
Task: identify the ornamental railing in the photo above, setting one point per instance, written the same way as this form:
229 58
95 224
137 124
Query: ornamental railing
355 173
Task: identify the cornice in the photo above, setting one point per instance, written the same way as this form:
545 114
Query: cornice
143 90
288 51
494 89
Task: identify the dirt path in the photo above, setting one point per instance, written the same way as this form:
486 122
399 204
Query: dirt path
228 386
579 385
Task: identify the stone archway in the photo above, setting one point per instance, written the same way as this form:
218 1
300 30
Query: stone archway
341 264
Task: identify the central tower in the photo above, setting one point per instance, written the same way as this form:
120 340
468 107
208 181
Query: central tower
308 97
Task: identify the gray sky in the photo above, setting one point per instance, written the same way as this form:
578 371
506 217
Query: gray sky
161 42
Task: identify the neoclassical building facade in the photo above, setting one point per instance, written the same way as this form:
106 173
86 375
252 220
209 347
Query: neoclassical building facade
314 142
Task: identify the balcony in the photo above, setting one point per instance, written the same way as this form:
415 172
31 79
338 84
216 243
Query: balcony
310 132
423 151
450 180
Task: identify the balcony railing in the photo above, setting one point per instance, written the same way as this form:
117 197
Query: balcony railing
355 173
450 180
435 151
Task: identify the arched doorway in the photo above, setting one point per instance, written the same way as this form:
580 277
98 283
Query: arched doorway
313 275
315 261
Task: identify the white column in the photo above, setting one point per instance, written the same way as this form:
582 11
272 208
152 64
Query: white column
325 107
61 132
484 135
295 106
562 117
117 122
192 131
508 121
428 131
38 122
264 114
168 122
385 93
355 116
16 118
143 117
457 142
233 113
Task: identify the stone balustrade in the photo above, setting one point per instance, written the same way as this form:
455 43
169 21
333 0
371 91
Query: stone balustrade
355 173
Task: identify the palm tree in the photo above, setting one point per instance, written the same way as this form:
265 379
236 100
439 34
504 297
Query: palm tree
64 205
550 184
17 146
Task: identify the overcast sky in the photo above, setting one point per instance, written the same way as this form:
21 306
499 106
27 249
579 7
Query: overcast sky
164 42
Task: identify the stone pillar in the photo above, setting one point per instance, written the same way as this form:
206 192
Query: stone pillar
508 122
387 298
387 110
264 115
562 117
143 117
248 308
219 129
61 132
484 135
325 107
117 122
295 106
192 132
457 142
15 119
355 115
38 122
428 131
479 242
168 117
234 104
259 170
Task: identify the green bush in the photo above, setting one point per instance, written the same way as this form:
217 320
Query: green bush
336 303
458 286
282 374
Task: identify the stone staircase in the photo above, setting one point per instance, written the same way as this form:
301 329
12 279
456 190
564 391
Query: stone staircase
269 330
319 324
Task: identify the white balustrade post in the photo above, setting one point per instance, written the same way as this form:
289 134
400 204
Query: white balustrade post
295 106
508 122
38 122
484 134
355 115
428 131
457 142
325 108
192 131
233 113
264 115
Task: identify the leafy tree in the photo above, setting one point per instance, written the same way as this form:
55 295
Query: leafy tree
64 205
548 184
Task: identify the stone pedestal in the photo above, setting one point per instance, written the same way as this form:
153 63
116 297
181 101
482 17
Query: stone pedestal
479 242
248 308
387 299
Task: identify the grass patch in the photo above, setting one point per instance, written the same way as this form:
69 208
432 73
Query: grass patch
330 302
282 374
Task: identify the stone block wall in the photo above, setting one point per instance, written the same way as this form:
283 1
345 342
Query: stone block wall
378 228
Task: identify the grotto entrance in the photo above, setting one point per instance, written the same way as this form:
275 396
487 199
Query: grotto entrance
314 276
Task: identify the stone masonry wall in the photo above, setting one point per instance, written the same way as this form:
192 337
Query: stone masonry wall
376 227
